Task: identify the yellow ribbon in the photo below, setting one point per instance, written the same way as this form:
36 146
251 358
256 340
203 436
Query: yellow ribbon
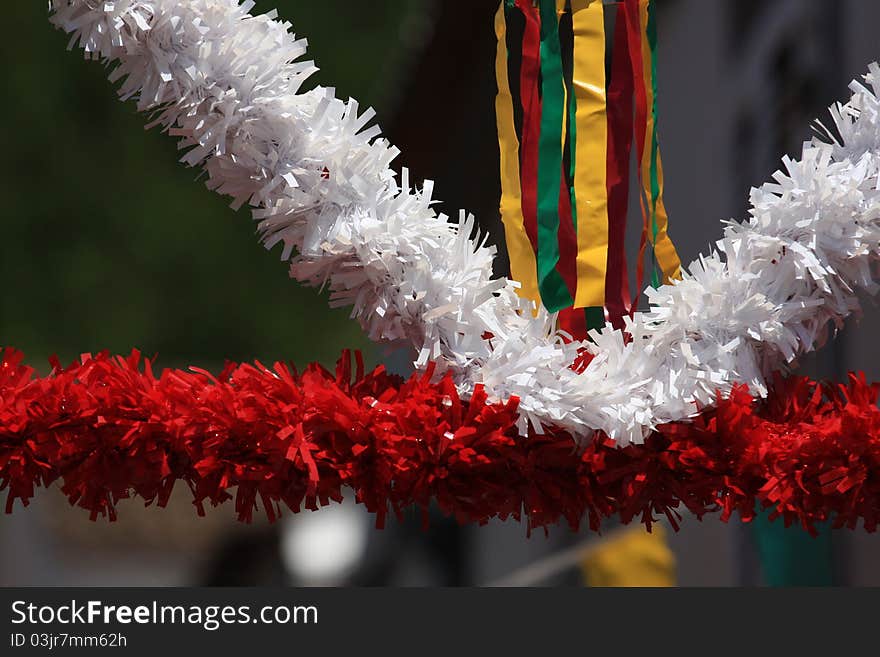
591 152
523 268
667 256
664 249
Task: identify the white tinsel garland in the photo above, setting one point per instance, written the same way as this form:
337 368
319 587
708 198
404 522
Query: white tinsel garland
227 84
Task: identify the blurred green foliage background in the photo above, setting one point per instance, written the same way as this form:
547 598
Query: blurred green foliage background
108 243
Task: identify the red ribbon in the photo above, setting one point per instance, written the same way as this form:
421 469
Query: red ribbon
530 71
574 322
634 38
531 103
620 140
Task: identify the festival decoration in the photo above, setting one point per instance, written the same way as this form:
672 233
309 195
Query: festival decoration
564 214
111 428
505 416
226 84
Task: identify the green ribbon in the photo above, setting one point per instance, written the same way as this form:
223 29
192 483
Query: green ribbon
554 292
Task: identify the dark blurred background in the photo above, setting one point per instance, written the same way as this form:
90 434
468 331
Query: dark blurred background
109 244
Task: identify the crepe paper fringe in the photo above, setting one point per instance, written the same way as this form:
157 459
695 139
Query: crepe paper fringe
110 428
227 85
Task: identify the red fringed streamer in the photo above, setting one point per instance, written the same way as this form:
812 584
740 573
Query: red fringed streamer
108 428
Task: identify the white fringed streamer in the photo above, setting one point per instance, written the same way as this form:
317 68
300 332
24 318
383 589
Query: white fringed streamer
227 84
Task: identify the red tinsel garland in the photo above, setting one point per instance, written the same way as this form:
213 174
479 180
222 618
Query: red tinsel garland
108 428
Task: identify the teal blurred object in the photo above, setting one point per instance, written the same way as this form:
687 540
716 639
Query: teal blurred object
109 243
790 556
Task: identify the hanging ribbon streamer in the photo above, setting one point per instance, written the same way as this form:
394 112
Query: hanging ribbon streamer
591 194
531 107
567 235
519 247
665 255
570 320
631 17
556 287
621 90
566 225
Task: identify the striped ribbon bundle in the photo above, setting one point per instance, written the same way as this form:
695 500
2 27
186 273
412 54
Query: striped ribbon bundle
566 132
